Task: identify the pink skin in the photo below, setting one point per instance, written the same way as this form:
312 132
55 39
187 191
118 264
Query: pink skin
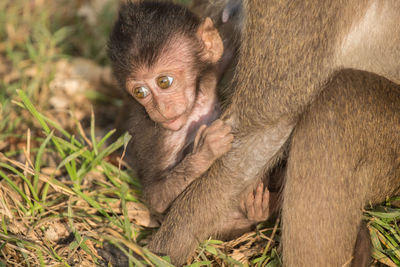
211 143
255 207
170 107
257 204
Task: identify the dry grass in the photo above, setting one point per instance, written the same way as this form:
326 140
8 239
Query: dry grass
63 187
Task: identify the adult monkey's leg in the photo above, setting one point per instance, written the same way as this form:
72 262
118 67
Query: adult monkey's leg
344 154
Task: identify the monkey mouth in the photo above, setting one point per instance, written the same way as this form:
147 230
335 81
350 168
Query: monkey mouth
168 122
172 120
172 124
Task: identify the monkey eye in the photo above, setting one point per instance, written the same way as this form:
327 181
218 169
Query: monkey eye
141 92
164 81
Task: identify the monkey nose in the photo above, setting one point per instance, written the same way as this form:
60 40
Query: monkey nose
166 112
161 107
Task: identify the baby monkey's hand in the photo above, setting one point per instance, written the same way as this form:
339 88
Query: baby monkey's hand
256 204
211 142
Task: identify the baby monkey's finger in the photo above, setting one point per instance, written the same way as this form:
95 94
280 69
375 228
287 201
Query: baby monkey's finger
266 202
199 137
250 205
258 200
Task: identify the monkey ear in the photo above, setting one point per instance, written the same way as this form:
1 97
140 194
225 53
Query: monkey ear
212 42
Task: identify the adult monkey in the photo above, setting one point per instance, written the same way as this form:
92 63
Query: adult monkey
290 51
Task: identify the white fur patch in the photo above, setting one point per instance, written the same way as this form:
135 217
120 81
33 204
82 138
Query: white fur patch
373 41
363 31
255 151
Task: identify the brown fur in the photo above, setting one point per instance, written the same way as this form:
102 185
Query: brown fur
362 250
230 32
356 150
289 78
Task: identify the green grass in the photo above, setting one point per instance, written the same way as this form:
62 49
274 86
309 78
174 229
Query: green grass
63 190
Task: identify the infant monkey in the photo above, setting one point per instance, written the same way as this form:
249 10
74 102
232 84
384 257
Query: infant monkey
167 59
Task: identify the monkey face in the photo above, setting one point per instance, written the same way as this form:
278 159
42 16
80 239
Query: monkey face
167 89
